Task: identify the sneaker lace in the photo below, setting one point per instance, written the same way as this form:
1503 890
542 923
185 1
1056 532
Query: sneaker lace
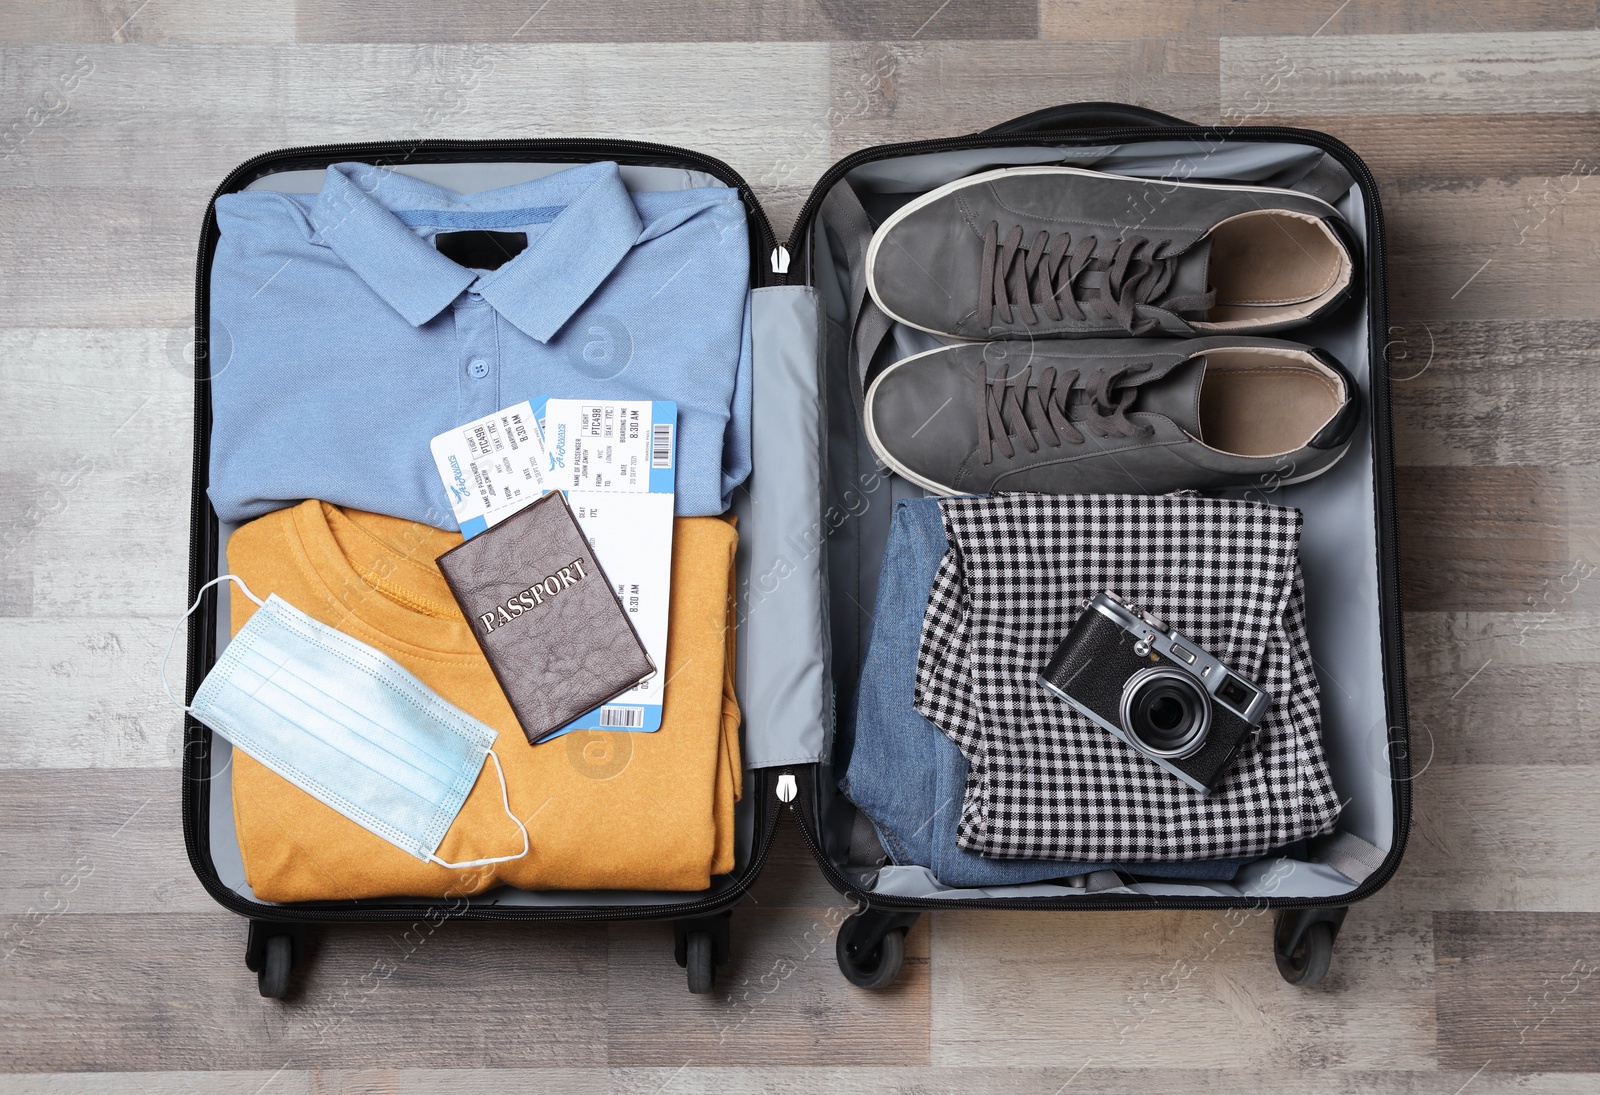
1059 277
1030 408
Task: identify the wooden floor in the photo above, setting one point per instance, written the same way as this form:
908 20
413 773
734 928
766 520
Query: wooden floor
1475 970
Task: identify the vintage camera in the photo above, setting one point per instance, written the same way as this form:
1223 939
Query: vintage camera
1156 690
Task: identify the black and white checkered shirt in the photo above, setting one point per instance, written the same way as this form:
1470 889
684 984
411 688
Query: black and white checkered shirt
1045 781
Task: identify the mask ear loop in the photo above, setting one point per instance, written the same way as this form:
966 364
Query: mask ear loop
175 628
506 802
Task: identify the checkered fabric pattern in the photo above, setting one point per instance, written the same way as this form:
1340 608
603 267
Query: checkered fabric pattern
1045 781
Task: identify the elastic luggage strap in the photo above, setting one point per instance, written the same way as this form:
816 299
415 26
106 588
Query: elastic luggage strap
1351 856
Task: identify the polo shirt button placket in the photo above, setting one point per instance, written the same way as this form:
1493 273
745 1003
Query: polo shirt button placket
478 347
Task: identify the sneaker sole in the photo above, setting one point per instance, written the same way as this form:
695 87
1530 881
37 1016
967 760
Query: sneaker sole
882 452
961 184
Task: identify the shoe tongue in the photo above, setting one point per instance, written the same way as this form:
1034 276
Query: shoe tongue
1176 395
1192 277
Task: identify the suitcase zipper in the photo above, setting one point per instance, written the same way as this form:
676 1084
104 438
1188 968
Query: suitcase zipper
575 150
313 912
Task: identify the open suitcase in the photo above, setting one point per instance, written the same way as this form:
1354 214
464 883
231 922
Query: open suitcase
813 520
1348 547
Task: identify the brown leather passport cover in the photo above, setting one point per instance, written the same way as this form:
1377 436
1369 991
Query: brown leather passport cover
555 634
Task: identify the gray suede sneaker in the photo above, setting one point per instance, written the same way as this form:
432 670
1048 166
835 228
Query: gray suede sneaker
1061 252
1112 416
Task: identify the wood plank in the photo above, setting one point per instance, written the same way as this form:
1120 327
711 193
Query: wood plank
1496 392
781 1000
1075 1076
83 693
499 1081
1480 538
76 841
104 420
1512 250
659 21
71 249
1519 991
1090 19
913 91
277 1082
91 21
478 1081
1483 72
1583 539
360 1082
1500 836
1135 991
171 992
101 422
1434 147
800 1080
747 103
1474 677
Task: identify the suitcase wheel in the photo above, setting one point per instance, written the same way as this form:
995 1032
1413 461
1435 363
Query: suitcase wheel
277 962
700 946
1302 943
271 952
702 969
871 948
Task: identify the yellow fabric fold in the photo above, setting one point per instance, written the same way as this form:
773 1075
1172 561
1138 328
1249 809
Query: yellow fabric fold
604 810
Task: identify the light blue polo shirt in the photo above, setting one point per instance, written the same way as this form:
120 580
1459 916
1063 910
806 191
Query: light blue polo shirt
342 341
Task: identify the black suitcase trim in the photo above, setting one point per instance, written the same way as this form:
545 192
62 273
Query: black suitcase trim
1066 125
204 533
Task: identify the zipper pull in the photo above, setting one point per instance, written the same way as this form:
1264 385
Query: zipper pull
780 259
787 788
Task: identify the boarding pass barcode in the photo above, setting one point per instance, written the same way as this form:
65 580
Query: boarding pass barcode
623 718
661 445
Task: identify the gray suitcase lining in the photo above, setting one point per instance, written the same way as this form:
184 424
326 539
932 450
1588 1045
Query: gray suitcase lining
1339 545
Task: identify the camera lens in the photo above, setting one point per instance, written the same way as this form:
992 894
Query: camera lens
1164 716
1165 713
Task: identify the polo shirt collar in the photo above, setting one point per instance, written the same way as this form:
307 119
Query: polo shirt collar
590 223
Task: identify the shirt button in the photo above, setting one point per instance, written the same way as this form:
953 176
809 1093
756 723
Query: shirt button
478 367
474 296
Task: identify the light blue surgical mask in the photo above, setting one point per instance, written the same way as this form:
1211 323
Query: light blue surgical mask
348 725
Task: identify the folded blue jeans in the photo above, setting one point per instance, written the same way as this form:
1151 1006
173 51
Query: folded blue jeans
904 772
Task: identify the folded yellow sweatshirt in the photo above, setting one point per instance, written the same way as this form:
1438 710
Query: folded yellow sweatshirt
604 810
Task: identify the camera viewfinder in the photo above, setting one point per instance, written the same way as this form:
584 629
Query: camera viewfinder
1236 694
